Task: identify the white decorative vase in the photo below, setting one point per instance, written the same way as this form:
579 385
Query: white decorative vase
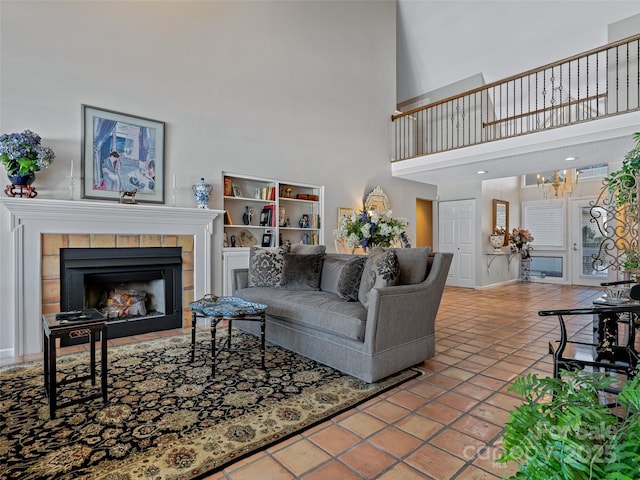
201 191
525 269
496 242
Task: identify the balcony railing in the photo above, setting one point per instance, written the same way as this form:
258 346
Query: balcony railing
599 83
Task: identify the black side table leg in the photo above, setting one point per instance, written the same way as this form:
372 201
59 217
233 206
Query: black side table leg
193 335
52 377
103 362
214 324
262 339
92 339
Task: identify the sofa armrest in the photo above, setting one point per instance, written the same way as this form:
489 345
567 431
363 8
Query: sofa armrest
402 313
240 279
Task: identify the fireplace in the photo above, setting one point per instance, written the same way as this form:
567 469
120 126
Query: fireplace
33 232
138 289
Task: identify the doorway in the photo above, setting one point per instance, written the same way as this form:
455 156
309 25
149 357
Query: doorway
424 223
584 243
456 234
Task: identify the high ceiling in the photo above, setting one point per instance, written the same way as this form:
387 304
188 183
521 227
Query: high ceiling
440 43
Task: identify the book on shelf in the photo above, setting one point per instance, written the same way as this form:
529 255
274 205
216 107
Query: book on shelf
227 218
268 216
228 189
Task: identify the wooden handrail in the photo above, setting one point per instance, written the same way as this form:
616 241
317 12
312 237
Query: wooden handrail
542 110
520 75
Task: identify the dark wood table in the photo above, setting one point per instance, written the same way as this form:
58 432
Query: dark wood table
77 326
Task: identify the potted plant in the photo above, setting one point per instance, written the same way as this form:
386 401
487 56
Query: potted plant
22 155
562 430
622 183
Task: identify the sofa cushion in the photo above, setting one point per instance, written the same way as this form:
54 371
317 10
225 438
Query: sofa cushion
342 276
319 310
380 270
301 272
265 266
413 264
303 249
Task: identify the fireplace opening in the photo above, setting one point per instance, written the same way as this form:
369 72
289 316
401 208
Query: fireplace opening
139 290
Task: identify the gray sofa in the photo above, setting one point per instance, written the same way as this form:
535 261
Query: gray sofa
395 331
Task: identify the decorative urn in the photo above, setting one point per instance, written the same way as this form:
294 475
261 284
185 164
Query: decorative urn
496 241
201 191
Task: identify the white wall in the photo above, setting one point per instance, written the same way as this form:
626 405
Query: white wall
301 91
443 41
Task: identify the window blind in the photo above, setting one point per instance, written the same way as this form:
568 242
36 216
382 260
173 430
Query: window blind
545 221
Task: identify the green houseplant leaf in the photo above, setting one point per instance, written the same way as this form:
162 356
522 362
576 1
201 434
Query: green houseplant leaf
563 431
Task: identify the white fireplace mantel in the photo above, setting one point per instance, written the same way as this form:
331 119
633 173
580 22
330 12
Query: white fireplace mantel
22 223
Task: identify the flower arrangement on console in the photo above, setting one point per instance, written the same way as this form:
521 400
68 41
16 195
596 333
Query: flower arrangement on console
499 231
520 239
370 229
22 153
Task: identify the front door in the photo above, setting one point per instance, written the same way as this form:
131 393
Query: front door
456 221
584 243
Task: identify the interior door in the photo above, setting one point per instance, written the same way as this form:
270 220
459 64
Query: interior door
456 221
584 242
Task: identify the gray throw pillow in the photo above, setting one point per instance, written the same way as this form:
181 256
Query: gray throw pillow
302 272
265 266
380 270
304 249
342 276
413 264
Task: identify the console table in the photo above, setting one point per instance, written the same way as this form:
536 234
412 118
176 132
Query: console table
493 255
71 326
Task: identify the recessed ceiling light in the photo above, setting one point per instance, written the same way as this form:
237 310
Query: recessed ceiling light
481 172
570 159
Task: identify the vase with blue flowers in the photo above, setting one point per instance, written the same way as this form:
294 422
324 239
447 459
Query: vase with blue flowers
368 229
22 155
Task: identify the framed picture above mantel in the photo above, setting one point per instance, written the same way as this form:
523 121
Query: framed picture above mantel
121 153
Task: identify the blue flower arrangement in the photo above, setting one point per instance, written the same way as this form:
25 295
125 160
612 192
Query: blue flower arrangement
369 229
21 153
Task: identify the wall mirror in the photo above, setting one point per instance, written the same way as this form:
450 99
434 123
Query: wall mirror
377 200
501 217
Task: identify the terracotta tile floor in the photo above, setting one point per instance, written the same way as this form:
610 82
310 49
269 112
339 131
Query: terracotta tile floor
445 424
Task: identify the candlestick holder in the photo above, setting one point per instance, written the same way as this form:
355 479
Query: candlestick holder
174 191
72 183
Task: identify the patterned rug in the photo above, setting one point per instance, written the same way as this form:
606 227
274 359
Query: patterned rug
166 418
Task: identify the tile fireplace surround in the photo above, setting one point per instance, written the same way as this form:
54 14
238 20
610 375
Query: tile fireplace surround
23 222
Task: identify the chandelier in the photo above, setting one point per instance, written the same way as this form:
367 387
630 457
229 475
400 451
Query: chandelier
559 187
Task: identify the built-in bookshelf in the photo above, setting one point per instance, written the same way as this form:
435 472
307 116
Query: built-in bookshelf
267 212
271 212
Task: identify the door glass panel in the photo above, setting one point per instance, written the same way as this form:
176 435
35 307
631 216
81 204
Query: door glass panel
591 240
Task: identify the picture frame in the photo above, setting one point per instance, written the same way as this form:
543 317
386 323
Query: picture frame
121 153
266 239
343 212
235 189
265 217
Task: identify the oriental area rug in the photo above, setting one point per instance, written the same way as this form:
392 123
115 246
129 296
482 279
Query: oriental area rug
166 417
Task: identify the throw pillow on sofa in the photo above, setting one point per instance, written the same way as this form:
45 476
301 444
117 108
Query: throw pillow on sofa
342 276
413 264
304 249
301 272
380 270
265 266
